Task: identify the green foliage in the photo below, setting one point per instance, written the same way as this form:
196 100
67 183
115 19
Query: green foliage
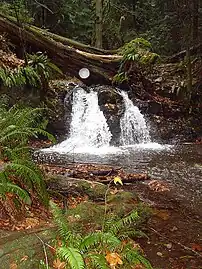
120 77
89 251
139 50
78 20
72 256
9 187
17 125
39 70
19 77
42 65
17 9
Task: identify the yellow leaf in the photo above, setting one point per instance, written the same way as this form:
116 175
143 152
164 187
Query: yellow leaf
57 264
113 259
118 180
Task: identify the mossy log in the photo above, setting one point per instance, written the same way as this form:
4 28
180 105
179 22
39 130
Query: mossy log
69 55
64 185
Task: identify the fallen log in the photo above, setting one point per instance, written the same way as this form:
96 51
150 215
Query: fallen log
95 189
93 173
70 56
75 186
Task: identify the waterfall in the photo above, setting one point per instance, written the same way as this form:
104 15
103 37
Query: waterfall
89 129
133 125
88 125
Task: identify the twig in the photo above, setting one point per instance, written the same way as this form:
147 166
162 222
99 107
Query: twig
175 242
44 249
44 6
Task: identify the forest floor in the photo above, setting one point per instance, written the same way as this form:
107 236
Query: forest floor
174 232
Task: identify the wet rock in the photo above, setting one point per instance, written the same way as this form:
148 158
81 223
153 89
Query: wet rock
111 104
58 101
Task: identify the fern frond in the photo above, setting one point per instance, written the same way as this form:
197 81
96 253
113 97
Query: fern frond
131 234
72 256
30 174
96 239
97 261
8 187
134 257
61 222
36 131
124 222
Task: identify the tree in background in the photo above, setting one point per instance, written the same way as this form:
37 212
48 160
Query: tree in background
110 23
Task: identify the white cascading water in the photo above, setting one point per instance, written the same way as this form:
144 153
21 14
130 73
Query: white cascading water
133 125
88 125
89 131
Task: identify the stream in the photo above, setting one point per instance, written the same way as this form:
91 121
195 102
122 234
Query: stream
90 140
179 165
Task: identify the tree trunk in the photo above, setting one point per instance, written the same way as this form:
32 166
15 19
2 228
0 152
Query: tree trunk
70 58
189 75
195 21
98 25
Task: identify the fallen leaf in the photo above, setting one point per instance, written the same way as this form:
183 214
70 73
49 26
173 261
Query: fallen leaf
159 254
196 247
24 258
163 214
139 266
113 259
169 245
13 266
57 264
158 186
118 180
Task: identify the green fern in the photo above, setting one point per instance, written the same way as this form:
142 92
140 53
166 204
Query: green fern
61 222
72 256
90 252
9 187
95 240
17 125
38 70
133 256
97 261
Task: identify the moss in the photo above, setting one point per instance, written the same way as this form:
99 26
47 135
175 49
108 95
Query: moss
94 191
139 50
24 250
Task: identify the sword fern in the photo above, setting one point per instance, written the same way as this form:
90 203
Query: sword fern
90 251
17 126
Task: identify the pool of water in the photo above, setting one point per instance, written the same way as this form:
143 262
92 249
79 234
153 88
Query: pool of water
180 165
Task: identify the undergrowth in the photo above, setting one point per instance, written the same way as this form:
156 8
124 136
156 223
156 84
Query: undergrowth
138 51
19 175
110 245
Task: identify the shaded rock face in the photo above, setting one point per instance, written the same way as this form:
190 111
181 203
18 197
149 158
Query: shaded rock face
59 103
111 104
55 103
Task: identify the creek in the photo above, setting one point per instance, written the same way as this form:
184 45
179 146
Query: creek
89 140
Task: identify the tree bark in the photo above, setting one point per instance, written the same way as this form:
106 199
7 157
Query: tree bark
99 25
70 58
195 21
189 75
